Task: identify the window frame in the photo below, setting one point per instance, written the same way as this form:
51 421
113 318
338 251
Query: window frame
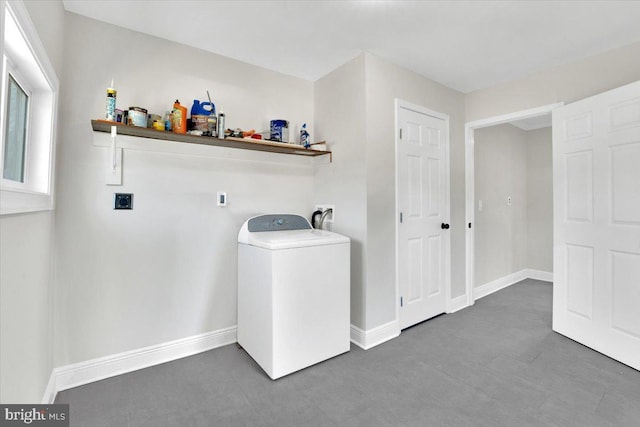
34 73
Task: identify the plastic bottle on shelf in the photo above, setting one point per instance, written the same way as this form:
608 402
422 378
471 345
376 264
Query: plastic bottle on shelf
200 112
304 136
179 118
110 113
221 123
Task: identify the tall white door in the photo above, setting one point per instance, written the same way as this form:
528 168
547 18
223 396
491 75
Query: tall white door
423 214
596 184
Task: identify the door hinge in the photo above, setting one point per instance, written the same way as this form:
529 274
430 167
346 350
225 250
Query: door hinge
400 133
400 217
401 302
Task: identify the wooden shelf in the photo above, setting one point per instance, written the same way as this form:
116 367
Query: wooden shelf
243 144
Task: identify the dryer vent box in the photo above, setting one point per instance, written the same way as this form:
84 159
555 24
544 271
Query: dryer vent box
123 201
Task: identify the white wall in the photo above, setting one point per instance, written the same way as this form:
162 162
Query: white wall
26 281
167 269
48 18
354 110
565 83
384 83
25 306
539 200
500 229
339 106
517 163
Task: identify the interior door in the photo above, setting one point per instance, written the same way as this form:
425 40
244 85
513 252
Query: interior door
423 211
596 169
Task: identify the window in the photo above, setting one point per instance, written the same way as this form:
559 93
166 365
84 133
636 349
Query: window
28 97
15 132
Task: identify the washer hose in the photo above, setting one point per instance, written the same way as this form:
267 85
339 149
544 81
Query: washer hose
313 217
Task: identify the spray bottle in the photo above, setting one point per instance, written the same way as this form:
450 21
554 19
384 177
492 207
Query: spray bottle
110 113
304 136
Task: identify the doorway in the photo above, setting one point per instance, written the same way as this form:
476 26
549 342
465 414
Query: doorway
502 214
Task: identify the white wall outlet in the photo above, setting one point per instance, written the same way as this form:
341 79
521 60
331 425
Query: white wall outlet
222 199
509 200
330 218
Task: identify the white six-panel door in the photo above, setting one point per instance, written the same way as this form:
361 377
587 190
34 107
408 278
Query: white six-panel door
423 205
596 168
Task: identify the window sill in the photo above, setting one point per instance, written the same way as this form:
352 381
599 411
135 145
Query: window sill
18 201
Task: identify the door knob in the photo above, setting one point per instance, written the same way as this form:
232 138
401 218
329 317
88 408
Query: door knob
444 226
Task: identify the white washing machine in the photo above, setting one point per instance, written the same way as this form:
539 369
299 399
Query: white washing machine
293 293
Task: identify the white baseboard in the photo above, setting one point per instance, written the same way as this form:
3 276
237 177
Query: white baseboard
498 284
457 303
508 280
545 276
77 374
50 392
375 336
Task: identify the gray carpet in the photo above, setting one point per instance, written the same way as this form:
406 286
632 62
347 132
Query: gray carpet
495 364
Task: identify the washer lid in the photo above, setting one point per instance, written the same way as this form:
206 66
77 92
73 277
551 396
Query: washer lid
293 239
283 231
277 222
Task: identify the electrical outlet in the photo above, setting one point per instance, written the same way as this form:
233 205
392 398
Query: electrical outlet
222 199
509 200
123 201
330 218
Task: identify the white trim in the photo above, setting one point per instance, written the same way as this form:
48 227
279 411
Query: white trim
545 276
376 336
77 374
396 112
509 117
358 337
50 392
469 208
457 304
36 197
399 103
511 279
499 284
22 201
469 149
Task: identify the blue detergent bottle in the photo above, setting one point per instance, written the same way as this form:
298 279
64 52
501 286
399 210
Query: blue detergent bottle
200 112
202 108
